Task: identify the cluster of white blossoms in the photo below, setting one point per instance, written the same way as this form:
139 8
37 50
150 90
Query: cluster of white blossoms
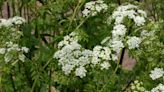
116 45
157 73
119 32
94 7
13 52
11 21
130 11
72 56
137 86
159 88
133 42
101 56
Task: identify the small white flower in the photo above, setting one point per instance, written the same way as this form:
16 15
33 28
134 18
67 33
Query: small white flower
25 49
97 48
119 20
87 53
81 72
119 30
8 57
131 12
5 23
133 42
18 20
21 57
105 65
95 60
114 57
98 8
117 45
75 45
157 73
93 7
83 61
159 88
2 50
139 21
142 12
105 54
85 12
67 69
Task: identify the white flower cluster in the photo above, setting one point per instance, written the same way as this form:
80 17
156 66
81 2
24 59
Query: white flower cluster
133 42
146 33
148 36
71 55
157 73
11 21
101 55
73 37
119 31
130 11
137 86
11 51
159 88
94 7
116 45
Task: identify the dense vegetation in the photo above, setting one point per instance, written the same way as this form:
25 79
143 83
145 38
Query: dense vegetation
81 46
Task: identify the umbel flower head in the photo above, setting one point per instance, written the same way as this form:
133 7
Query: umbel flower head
120 33
13 51
12 21
131 12
159 88
74 58
157 73
94 7
133 42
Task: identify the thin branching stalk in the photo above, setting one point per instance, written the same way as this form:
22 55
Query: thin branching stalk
79 5
50 75
12 81
27 76
34 84
47 63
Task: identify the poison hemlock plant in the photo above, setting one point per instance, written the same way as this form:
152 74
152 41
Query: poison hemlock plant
80 46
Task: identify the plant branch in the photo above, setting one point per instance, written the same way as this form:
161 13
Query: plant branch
12 81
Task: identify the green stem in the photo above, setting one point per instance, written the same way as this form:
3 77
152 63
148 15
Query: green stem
47 63
34 84
119 60
12 81
81 23
79 5
50 79
27 76
73 16
115 70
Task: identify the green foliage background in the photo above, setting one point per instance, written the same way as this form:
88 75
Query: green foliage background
49 21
